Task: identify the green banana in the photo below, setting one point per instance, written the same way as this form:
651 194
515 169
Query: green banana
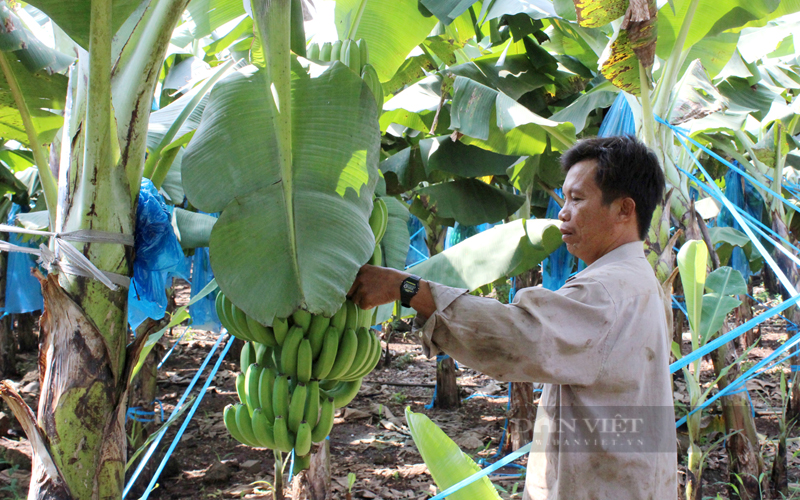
327 356
351 55
289 351
240 323
265 387
376 259
297 407
363 353
351 322
283 440
240 388
325 423
304 361
302 444
327 385
344 392
302 319
336 49
301 463
338 321
325 52
370 77
245 425
219 306
312 52
276 359
344 358
280 327
251 380
280 397
260 333
229 417
263 355
316 332
247 357
379 219
312 403
231 324
374 357
362 49
262 429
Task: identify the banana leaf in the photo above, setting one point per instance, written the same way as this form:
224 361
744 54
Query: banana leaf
721 285
502 251
692 260
271 255
445 460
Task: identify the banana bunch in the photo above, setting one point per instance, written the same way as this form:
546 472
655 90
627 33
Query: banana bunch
295 373
354 55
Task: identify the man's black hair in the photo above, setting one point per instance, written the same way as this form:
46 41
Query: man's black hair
625 167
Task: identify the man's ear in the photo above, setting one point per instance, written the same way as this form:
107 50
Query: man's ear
627 208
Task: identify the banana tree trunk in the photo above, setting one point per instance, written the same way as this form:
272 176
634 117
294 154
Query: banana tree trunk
744 458
314 483
447 396
521 417
8 345
78 436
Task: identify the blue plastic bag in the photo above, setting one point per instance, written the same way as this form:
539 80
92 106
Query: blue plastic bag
619 119
743 195
157 253
418 251
203 312
23 292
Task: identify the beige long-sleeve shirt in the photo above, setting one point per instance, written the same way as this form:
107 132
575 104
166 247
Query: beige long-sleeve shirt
605 426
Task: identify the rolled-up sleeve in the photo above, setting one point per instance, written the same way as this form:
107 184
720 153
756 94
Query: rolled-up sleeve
555 337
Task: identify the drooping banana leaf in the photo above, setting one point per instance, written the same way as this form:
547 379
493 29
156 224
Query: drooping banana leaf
395 242
193 229
272 254
502 251
470 201
445 460
492 120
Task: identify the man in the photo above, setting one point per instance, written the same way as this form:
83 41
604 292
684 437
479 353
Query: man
605 425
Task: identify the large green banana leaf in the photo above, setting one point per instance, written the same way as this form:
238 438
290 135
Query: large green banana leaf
33 67
431 159
268 256
445 460
391 28
492 120
711 18
74 16
502 251
470 201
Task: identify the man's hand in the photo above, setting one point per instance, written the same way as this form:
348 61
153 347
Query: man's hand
375 286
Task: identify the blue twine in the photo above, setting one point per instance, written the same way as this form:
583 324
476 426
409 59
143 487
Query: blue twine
684 133
177 408
188 419
781 315
137 414
164 359
291 466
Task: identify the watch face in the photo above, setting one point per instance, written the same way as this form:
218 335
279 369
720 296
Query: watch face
408 287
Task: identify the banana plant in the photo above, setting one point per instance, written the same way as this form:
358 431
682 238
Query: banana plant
709 298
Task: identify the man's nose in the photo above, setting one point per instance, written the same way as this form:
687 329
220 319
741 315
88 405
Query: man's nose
563 214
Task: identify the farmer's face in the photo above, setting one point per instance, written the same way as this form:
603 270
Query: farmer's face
588 225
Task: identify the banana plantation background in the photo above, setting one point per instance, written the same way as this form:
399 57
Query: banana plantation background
278 145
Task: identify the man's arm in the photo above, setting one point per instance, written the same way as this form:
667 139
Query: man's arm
375 286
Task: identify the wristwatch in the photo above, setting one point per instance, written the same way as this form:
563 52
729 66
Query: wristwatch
408 289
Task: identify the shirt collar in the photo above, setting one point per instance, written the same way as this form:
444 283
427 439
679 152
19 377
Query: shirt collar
628 251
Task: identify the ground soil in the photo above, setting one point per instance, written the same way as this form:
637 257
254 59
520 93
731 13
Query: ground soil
370 438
